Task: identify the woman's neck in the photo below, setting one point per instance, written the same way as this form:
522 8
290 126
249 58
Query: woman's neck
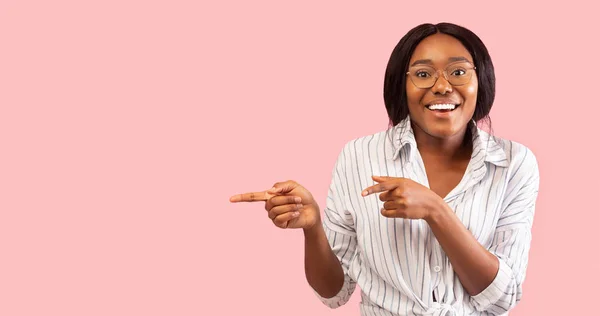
458 146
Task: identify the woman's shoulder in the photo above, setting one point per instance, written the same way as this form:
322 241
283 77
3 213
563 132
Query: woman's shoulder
372 146
520 157
521 172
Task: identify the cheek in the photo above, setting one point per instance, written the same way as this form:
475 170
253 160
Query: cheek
472 91
414 95
469 94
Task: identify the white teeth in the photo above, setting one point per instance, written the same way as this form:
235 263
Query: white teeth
442 107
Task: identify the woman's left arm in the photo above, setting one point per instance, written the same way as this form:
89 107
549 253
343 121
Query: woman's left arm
493 277
475 266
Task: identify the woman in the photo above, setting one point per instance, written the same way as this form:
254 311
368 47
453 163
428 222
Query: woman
432 216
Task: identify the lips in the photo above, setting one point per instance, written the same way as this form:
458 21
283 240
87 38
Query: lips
443 105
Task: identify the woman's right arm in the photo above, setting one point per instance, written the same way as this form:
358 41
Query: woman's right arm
330 245
322 267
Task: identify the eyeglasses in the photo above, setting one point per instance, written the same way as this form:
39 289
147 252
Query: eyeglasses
457 74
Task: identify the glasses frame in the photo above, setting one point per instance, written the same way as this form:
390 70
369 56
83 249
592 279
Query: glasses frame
445 74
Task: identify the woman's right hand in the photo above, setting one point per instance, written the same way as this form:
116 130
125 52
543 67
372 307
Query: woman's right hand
288 205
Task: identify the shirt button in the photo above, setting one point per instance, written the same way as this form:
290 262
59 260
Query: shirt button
437 269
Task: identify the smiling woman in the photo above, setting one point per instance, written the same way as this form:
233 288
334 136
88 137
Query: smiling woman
450 231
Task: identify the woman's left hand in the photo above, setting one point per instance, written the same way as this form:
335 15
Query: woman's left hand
404 198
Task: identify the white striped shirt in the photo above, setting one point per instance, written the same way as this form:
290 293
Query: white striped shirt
398 263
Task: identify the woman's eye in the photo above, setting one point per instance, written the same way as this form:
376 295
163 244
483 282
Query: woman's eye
422 74
458 72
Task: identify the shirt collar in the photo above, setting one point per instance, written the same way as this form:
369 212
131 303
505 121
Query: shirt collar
484 145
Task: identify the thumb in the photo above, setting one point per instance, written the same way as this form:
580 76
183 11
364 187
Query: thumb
283 187
381 178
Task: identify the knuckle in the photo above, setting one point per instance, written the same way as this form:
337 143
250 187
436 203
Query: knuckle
280 223
402 205
402 185
398 191
405 200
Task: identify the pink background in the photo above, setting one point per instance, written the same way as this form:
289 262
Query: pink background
126 125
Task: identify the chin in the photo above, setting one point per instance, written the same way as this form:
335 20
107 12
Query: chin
443 131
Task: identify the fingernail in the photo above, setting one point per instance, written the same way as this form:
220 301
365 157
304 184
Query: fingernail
297 199
295 214
364 193
298 206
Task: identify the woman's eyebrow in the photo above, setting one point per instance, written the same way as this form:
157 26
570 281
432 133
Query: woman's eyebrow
429 62
422 62
453 59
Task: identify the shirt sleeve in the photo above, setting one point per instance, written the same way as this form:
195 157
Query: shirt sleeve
338 224
511 241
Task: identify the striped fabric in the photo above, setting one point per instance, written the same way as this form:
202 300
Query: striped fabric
398 264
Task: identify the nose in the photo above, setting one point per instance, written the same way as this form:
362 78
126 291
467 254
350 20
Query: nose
441 85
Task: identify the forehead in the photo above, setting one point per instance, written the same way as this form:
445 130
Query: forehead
439 48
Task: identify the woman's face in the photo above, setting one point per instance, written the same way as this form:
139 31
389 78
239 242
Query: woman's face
433 55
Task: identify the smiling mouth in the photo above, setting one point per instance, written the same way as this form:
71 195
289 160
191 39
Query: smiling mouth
445 107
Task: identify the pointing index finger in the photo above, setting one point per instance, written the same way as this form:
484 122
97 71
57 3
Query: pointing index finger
251 197
379 187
